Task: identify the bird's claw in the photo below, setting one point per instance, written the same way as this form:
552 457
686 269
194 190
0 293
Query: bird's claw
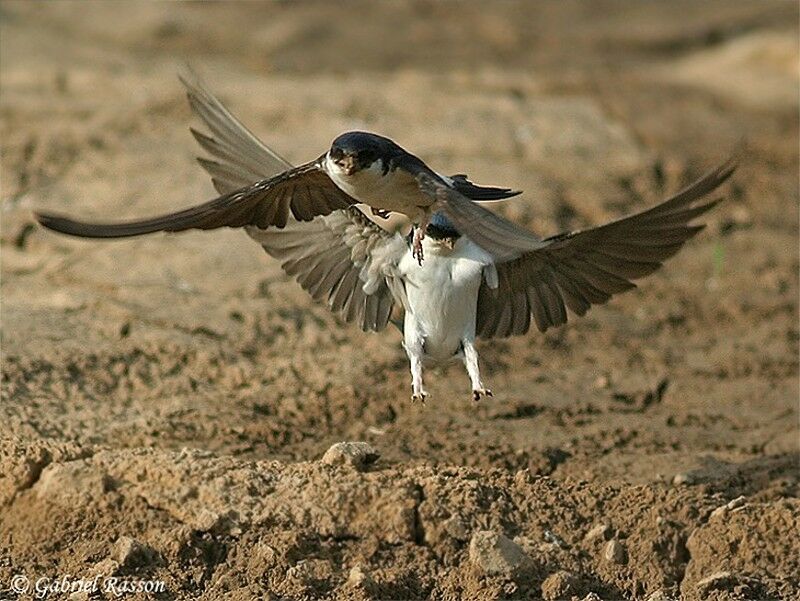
477 394
419 397
416 252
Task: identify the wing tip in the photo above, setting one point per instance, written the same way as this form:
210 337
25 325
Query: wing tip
64 225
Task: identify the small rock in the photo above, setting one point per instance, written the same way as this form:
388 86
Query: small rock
659 596
494 553
546 549
592 597
357 455
602 382
683 478
455 527
73 483
742 586
599 531
299 572
129 552
524 477
529 545
559 585
733 505
717 581
205 520
358 577
614 552
553 538
105 568
736 503
261 558
307 571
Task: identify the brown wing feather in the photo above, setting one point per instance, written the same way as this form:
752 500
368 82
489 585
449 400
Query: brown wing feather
305 190
578 269
344 259
240 157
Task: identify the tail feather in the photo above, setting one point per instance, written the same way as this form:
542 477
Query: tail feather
475 192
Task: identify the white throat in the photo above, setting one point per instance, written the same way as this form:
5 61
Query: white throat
361 184
393 191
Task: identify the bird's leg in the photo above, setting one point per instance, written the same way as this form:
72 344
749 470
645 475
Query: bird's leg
382 213
419 234
417 391
471 363
414 351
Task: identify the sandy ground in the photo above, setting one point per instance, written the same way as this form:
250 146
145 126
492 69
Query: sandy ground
166 400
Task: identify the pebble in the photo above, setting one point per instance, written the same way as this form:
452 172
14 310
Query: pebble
602 382
456 528
553 538
206 520
683 478
106 567
737 503
129 552
732 505
614 552
718 580
358 577
602 531
494 553
357 455
559 585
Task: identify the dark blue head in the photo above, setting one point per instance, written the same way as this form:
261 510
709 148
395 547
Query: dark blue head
440 228
356 150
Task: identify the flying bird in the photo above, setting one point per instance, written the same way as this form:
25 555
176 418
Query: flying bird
359 167
470 284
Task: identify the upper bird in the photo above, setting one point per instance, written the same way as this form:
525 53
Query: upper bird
466 287
359 167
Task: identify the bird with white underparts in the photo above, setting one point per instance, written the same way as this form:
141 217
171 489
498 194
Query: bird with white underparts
482 276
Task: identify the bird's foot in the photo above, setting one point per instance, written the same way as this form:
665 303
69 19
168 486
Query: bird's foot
419 397
382 213
478 393
416 251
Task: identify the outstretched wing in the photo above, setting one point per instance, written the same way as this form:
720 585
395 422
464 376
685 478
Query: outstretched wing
258 186
305 192
579 269
240 158
345 260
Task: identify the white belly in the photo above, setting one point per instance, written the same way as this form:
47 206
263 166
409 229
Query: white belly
395 191
442 297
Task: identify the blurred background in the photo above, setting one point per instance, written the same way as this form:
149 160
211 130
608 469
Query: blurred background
594 109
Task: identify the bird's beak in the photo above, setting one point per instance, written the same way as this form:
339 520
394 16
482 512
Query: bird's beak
348 164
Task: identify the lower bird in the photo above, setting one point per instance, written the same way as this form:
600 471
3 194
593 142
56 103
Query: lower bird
482 276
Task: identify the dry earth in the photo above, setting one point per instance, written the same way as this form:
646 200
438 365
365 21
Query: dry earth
166 401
